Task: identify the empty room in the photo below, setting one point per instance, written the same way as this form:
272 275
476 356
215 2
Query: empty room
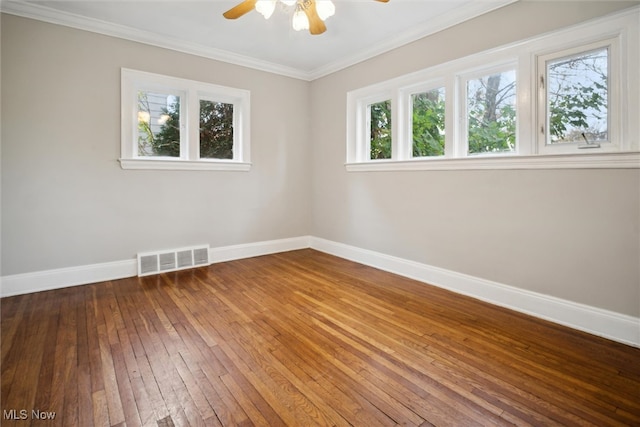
313 212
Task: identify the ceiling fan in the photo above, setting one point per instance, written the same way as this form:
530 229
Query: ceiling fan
309 14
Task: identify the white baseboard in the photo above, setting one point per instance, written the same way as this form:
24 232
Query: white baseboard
604 323
18 284
248 250
596 321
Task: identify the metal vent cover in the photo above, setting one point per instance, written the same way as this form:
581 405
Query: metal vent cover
147 264
172 260
167 261
201 256
185 258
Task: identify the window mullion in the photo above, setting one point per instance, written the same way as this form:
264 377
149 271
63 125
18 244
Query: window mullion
399 150
451 135
237 132
525 111
461 137
405 122
541 123
192 125
366 152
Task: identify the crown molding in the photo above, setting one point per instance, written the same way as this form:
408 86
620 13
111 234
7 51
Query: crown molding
438 23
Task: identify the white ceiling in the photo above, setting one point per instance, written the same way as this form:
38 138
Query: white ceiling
359 30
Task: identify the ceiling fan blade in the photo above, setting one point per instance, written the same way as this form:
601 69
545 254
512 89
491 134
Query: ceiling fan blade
316 25
239 10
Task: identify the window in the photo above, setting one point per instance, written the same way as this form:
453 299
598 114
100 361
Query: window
379 115
491 113
171 123
577 89
216 130
428 123
158 132
576 98
565 100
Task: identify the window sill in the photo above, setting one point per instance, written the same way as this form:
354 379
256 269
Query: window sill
628 160
164 164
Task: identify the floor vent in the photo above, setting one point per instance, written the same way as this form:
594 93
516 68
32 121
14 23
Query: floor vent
172 260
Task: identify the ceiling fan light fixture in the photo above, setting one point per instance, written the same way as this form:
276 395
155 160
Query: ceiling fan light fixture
325 8
308 14
266 7
300 20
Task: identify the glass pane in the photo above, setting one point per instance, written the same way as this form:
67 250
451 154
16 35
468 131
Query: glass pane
216 130
158 124
380 130
491 109
577 89
428 123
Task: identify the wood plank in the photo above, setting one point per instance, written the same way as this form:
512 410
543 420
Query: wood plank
85 400
301 338
100 409
27 355
125 387
110 382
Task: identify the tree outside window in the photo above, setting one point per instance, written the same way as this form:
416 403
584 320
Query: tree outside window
159 127
577 98
491 113
158 124
216 130
428 125
380 114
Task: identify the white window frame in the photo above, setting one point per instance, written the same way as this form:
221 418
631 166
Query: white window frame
362 122
614 112
405 131
191 93
619 30
462 147
378 98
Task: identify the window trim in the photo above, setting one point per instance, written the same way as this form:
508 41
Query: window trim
621 27
193 91
622 160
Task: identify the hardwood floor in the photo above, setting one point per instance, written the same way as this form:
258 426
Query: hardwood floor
300 339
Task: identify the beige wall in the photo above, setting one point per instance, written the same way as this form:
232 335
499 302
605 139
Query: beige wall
65 200
572 234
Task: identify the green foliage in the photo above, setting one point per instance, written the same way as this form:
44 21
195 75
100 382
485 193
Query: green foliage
216 130
428 124
381 130
167 141
575 109
164 141
494 135
491 113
